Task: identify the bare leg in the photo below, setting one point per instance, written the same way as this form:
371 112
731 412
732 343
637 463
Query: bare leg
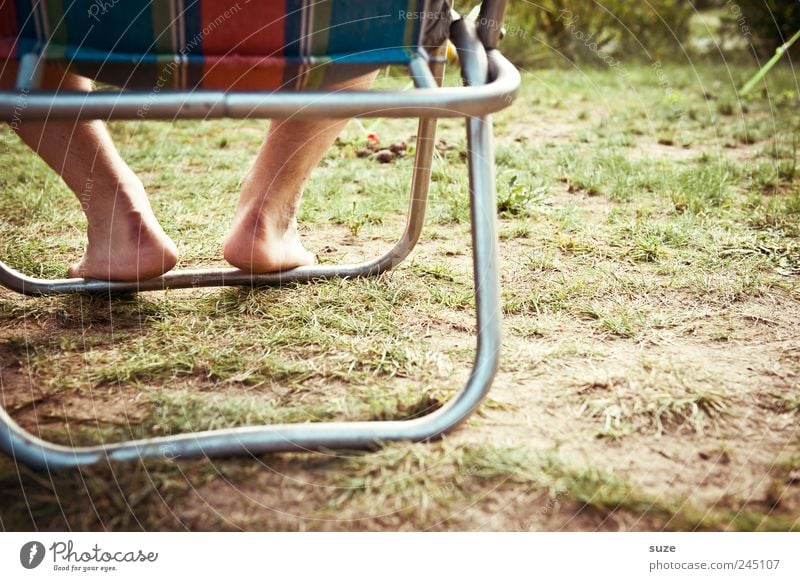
126 242
263 236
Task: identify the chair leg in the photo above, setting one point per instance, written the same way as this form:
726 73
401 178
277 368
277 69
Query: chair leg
28 449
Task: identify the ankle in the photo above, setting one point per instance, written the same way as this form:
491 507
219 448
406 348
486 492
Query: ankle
104 202
268 214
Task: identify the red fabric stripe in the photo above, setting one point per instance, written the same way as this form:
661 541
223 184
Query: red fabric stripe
8 29
255 28
243 73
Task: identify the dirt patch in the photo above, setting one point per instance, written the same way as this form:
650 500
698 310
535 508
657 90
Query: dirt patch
35 408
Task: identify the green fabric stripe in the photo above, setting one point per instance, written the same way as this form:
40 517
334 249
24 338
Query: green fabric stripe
56 52
412 24
162 26
316 76
322 25
167 73
56 22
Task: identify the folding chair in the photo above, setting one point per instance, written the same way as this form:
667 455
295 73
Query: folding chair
313 37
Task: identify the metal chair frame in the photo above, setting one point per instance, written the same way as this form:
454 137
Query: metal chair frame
490 84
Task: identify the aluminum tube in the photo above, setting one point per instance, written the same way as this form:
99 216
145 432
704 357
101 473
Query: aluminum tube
475 100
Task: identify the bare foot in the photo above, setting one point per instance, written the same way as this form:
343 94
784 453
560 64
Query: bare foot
259 242
128 246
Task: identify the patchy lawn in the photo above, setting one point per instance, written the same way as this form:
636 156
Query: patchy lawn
650 247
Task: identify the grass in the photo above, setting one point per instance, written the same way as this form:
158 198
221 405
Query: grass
650 262
661 402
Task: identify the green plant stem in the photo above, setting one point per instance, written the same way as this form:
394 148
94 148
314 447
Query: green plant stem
771 63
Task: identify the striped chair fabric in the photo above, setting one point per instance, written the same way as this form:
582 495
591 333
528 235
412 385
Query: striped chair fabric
215 44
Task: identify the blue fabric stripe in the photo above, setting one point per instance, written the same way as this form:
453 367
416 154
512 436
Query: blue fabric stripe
293 27
192 19
122 25
383 56
354 24
27 26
